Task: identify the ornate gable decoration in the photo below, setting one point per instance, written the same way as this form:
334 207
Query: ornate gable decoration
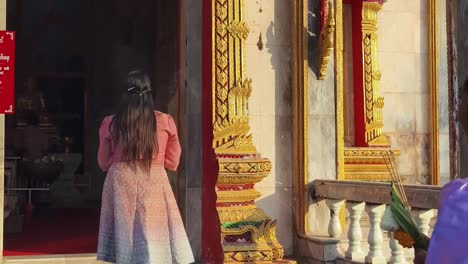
327 29
231 89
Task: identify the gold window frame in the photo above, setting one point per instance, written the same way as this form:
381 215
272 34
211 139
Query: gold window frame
300 102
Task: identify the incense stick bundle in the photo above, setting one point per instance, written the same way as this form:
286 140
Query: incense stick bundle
396 178
400 207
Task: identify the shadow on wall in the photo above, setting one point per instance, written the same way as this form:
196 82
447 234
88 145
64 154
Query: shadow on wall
313 35
277 197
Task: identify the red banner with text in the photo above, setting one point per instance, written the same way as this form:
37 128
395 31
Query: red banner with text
7 72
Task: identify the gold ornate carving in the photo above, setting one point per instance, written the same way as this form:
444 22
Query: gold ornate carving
235 187
339 79
240 179
368 164
231 137
228 215
266 248
245 166
239 30
373 103
252 254
300 97
243 171
326 40
272 241
231 90
368 155
434 91
339 43
248 234
237 195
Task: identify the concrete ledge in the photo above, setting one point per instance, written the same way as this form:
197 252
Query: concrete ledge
419 196
54 259
318 249
347 261
306 260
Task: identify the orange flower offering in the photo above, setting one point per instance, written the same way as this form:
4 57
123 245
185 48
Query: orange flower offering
404 239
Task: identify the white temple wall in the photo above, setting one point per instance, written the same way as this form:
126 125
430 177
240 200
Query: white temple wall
270 106
403 61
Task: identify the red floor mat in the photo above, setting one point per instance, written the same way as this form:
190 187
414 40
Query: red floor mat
59 231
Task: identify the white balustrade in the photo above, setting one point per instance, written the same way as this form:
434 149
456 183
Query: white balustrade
398 255
423 219
395 252
375 237
355 251
363 196
334 226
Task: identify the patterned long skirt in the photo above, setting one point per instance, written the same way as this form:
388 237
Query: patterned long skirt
140 220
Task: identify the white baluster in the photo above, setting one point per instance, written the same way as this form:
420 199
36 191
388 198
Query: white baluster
334 226
423 219
354 251
375 238
398 255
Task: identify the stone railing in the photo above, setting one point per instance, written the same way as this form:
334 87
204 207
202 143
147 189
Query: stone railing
364 204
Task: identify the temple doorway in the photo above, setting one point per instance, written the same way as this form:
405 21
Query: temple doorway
70 62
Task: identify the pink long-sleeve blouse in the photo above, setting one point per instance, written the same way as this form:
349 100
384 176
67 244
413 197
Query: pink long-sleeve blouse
168 143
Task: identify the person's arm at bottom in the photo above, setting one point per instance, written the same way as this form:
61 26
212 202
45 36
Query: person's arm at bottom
419 256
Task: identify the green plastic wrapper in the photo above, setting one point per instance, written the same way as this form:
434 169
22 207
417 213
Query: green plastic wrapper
403 217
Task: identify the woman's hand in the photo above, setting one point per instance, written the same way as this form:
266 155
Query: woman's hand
426 238
419 256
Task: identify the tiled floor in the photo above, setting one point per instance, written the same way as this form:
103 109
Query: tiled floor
54 259
74 259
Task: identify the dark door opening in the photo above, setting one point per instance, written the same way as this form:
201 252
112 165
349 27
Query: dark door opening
71 57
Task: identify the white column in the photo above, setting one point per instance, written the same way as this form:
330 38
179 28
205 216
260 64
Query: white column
334 226
423 219
398 255
375 238
354 251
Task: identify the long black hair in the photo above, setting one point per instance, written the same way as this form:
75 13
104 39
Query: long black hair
134 124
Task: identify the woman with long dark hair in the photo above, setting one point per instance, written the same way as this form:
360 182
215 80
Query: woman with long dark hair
140 220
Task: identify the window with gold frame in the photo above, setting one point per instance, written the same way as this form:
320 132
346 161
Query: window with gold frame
344 98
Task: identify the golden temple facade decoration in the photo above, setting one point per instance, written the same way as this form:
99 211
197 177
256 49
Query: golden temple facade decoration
370 162
239 30
373 102
339 82
231 89
326 39
248 235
